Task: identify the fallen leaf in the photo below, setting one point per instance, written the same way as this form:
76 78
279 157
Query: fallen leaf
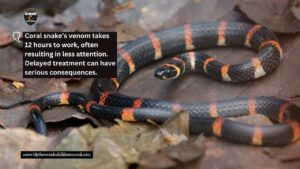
124 7
273 14
114 147
296 9
174 155
11 7
57 6
18 85
5 37
287 154
13 141
14 117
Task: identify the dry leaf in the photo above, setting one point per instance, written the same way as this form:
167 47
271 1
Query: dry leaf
174 155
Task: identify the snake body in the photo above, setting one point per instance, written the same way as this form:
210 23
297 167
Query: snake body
204 117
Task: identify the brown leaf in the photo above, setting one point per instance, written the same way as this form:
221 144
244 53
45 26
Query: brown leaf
174 155
113 147
18 85
178 123
5 37
196 11
124 7
106 18
36 88
11 7
15 117
13 141
9 77
273 14
11 64
78 25
144 19
286 154
156 161
296 9
224 155
253 119
58 114
53 7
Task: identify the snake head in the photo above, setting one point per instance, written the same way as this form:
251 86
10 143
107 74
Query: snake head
166 72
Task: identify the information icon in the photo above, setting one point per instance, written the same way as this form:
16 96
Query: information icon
16 36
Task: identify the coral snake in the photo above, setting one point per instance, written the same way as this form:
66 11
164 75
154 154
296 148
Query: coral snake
204 117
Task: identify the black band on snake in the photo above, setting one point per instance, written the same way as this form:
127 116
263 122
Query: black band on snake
205 117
